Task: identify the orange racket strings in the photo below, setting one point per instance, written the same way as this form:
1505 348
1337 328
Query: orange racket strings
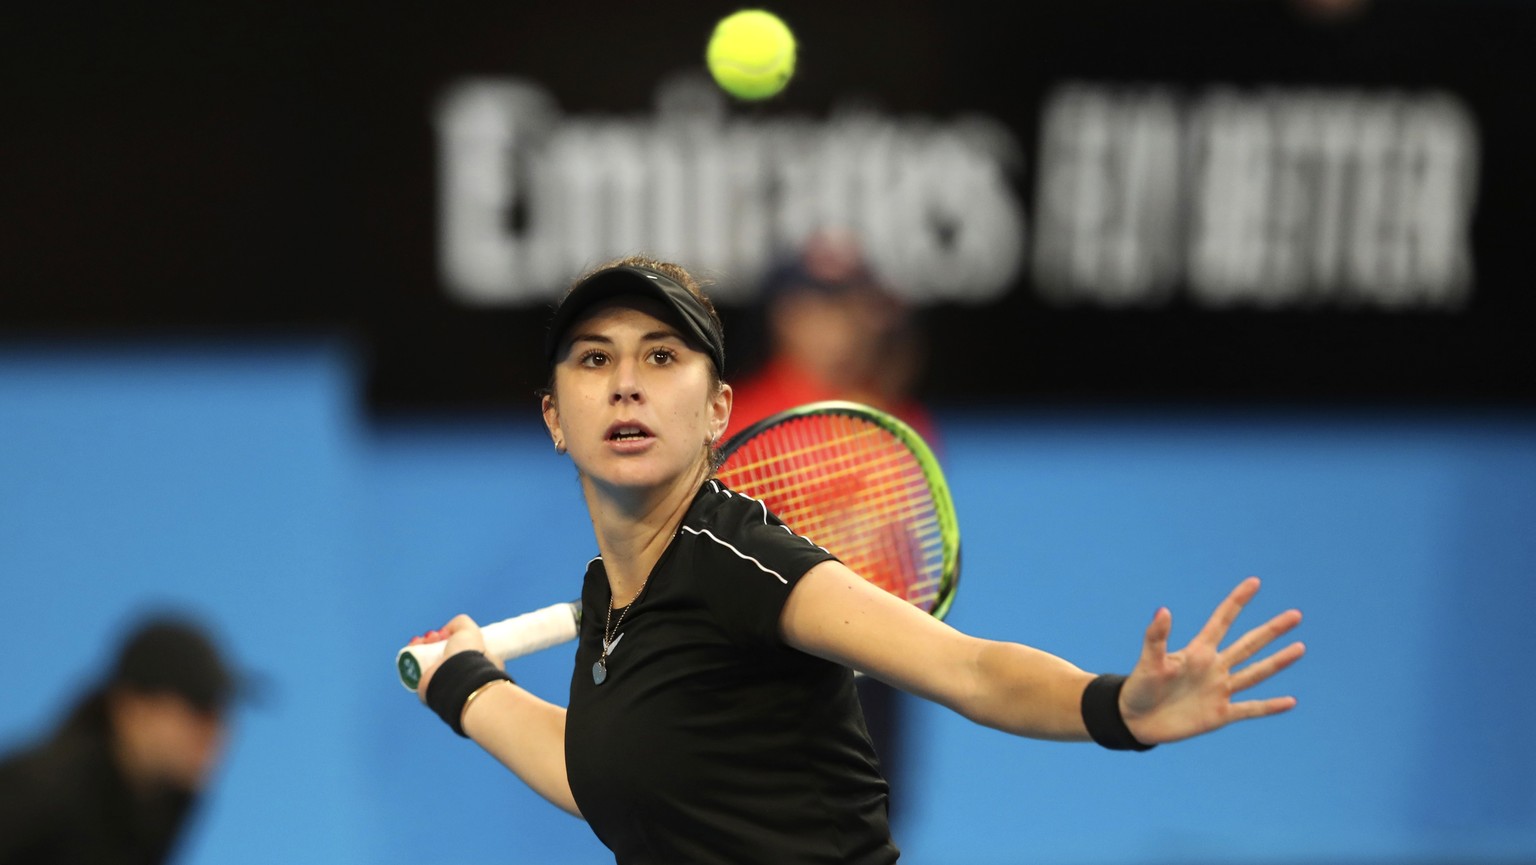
856 490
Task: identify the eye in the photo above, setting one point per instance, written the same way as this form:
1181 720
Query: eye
663 356
593 357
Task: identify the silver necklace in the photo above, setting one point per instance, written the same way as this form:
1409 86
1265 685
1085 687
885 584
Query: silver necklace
600 666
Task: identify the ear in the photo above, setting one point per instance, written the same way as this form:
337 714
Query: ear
720 412
551 414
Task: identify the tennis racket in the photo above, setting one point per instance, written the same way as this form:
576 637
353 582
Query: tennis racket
858 481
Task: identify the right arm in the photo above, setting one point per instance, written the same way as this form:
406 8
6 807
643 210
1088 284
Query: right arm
525 733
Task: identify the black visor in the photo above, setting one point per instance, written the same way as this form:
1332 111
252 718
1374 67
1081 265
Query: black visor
697 325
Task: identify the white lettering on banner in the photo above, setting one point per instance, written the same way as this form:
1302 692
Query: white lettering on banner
1272 198
1108 199
529 197
1269 199
480 131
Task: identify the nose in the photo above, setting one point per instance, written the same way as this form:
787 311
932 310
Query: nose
626 385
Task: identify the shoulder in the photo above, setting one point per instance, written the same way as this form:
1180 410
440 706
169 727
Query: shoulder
721 511
736 528
716 501
739 561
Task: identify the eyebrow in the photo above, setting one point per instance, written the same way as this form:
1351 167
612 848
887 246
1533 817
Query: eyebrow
653 335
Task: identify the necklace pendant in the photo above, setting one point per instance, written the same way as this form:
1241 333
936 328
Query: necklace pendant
599 672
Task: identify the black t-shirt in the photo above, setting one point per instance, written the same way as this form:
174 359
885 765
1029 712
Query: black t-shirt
65 802
711 741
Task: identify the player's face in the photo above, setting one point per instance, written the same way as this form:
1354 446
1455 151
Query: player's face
633 403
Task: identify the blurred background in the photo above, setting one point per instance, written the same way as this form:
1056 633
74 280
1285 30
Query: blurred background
1185 290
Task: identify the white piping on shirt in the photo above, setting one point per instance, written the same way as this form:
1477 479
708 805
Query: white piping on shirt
707 533
787 529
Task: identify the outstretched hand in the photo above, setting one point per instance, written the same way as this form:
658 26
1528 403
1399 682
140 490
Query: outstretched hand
1175 695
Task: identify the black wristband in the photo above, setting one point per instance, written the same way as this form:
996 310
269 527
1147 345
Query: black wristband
456 678
1101 715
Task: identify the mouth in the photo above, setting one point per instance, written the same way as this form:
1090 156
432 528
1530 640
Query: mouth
629 431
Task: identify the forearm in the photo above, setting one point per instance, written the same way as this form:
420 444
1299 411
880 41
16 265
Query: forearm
527 735
834 614
1025 691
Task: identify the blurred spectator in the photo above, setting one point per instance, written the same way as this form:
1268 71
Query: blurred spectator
834 330
119 777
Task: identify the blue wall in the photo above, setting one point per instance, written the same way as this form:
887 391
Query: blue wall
244 483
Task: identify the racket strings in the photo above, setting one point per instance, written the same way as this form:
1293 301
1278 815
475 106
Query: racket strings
764 457
855 489
868 478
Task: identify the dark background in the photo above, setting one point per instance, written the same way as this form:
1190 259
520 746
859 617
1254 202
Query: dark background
206 169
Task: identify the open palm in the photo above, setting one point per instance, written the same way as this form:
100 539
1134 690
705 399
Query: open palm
1175 695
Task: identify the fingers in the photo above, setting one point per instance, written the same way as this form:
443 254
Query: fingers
463 634
1216 627
459 623
1262 670
1250 709
456 624
1154 649
1250 643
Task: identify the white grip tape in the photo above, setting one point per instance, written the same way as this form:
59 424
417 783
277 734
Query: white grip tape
504 640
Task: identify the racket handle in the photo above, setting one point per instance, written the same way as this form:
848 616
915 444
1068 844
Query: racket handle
504 640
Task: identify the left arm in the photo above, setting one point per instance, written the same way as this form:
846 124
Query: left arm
834 614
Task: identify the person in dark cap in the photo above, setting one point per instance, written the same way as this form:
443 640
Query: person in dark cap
117 781
712 712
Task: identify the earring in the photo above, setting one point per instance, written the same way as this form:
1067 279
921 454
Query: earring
559 446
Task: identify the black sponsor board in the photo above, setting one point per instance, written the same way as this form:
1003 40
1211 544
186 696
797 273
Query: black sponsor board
1098 201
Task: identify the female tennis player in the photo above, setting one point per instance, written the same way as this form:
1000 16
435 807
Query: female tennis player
712 714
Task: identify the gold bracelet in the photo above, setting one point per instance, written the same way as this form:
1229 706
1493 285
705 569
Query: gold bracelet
464 712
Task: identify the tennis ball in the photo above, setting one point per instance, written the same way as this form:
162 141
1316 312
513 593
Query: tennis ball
751 54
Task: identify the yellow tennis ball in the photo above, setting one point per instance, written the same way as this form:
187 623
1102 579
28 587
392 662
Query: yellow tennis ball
751 54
